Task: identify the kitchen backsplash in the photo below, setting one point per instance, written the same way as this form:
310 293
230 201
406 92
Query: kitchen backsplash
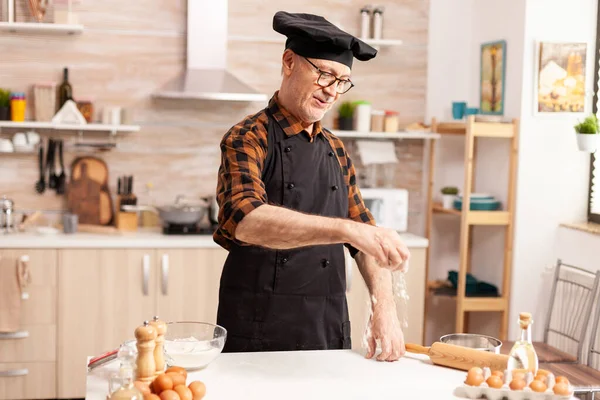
129 49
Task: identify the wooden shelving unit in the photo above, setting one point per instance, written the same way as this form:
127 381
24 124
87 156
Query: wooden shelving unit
471 131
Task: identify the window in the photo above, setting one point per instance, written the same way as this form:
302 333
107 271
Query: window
594 188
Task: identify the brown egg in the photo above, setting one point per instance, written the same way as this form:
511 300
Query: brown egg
177 378
163 382
169 394
562 379
184 392
518 375
198 389
561 389
494 381
180 370
474 380
541 378
499 374
142 387
151 396
517 384
538 386
543 372
474 377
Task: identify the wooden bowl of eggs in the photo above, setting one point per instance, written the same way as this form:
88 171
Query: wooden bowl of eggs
515 385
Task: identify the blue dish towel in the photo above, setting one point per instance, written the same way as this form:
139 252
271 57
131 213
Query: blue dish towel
474 287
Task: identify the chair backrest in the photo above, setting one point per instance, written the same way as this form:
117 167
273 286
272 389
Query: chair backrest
593 357
571 299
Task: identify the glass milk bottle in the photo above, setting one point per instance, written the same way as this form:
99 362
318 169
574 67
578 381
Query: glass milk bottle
523 355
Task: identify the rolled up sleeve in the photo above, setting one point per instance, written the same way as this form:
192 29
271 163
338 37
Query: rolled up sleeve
357 211
240 187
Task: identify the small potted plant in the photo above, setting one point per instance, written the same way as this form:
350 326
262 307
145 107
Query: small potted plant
345 116
587 134
4 105
448 195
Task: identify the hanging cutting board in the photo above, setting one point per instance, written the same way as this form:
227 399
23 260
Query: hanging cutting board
88 195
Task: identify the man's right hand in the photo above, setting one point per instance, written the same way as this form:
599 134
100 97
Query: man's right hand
383 244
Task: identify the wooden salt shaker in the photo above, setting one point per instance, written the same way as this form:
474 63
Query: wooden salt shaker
159 355
146 342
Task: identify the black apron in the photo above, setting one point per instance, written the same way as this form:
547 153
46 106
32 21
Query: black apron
282 300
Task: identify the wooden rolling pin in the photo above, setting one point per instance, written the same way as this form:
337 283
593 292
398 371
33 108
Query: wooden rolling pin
460 357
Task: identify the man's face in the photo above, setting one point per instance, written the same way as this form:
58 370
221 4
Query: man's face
312 100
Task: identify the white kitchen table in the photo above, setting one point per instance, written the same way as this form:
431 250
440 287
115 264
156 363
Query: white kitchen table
332 375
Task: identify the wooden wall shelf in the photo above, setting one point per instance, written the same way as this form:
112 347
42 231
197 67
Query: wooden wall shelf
40 27
69 127
385 135
281 40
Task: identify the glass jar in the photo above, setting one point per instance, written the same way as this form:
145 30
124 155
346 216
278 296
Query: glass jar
377 120
391 121
17 106
86 109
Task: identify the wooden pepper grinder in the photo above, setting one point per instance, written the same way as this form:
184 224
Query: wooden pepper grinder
159 355
146 342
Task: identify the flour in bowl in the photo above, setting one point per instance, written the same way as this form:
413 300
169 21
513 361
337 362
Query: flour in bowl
190 353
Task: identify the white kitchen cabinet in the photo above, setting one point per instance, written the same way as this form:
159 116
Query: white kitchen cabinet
104 294
28 356
188 283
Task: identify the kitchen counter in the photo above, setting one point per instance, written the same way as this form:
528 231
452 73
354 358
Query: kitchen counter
144 238
333 374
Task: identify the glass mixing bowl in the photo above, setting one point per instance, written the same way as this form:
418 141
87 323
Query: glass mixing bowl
193 345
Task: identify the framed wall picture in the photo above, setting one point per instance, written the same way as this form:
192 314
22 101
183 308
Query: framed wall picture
560 78
493 75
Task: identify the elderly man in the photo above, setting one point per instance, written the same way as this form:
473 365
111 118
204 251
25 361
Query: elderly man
288 203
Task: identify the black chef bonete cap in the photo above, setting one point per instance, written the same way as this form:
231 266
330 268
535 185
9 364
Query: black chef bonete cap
313 36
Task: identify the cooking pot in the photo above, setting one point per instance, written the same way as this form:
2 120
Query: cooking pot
213 209
180 213
473 341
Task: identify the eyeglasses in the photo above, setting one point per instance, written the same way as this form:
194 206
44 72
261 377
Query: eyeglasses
326 79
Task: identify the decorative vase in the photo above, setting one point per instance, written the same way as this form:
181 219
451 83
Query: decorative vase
587 142
345 123
448 200
4 113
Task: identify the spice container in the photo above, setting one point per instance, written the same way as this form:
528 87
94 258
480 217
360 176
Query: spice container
17 106
391 121
362 115
365 22
44 101
378 23
377 120
86 109
11 11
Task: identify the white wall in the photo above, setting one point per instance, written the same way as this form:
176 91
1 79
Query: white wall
552 174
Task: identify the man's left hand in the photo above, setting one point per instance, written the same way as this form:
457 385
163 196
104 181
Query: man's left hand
385 326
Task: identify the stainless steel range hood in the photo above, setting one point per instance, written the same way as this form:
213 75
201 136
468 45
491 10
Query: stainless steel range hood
206 76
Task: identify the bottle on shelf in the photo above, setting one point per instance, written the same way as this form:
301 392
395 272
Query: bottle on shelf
522 355
65 90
